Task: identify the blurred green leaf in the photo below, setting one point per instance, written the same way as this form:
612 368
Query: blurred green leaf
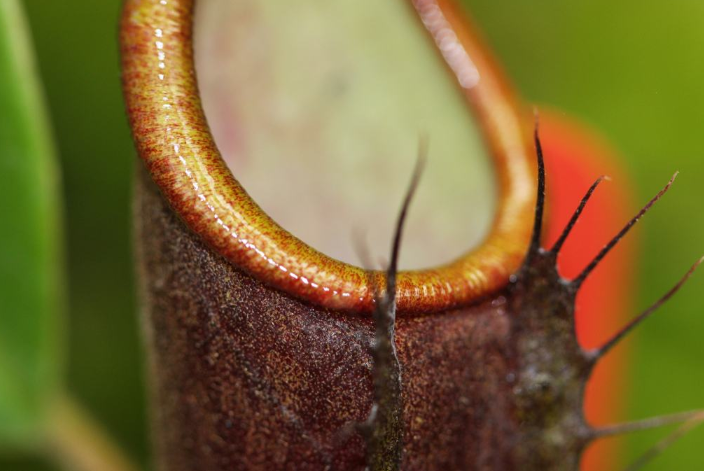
31 298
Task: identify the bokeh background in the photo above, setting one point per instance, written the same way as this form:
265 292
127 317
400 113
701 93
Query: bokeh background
631 69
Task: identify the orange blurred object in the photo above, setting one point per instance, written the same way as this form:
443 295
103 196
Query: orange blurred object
575 157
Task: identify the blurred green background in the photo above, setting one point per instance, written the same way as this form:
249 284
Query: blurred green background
632 69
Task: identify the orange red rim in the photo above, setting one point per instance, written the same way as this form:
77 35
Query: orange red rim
175 143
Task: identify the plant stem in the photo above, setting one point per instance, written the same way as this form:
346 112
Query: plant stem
79 443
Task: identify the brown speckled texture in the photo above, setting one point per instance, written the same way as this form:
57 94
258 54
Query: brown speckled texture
247 377
260 345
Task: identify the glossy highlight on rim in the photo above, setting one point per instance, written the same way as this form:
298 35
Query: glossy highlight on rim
174 141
